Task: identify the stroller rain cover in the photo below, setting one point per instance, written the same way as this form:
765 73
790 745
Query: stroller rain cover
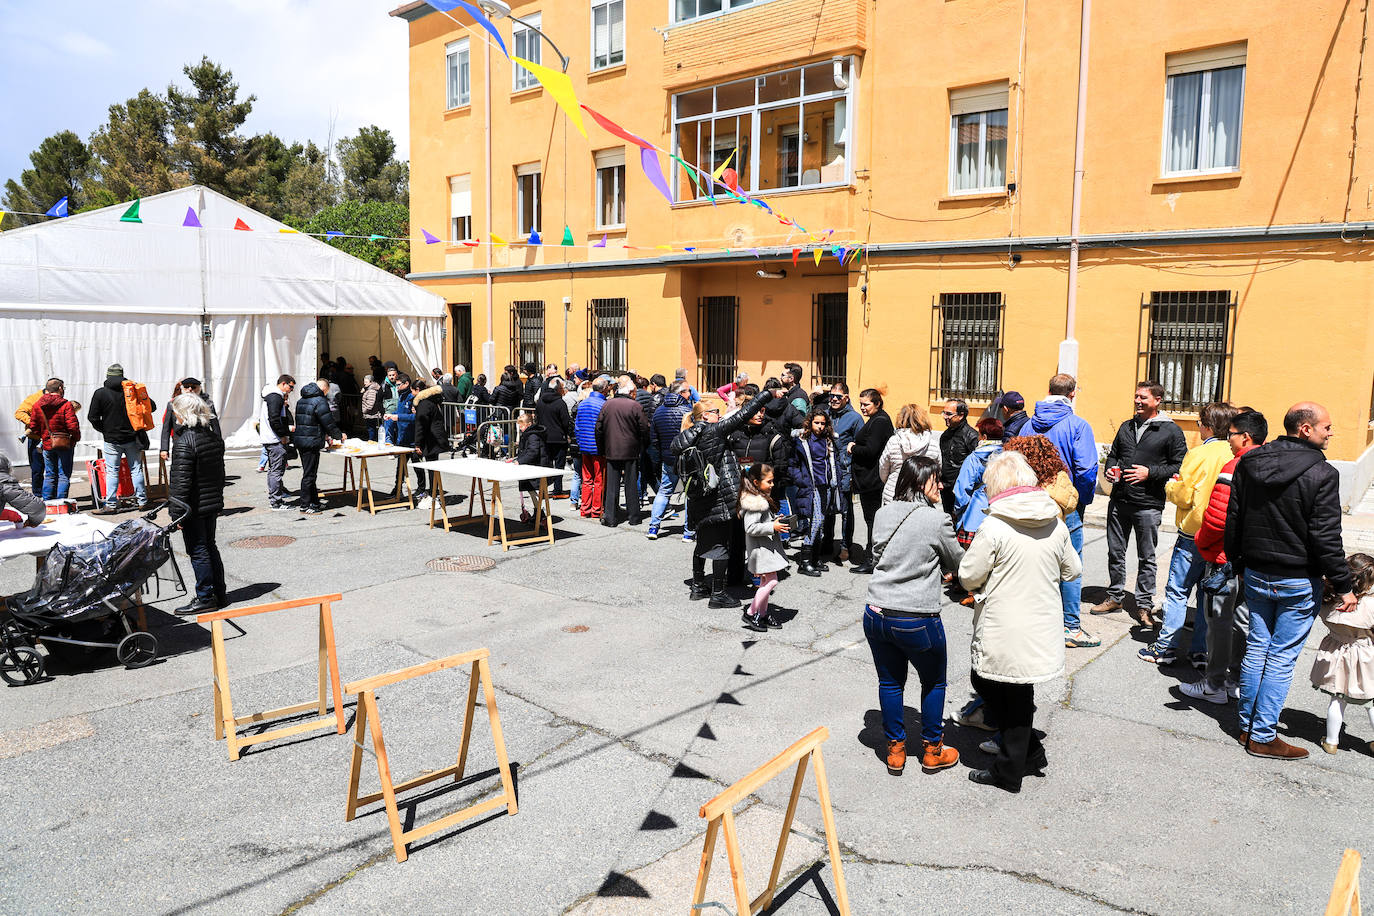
72 580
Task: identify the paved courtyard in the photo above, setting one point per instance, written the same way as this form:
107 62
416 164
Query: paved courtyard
625 707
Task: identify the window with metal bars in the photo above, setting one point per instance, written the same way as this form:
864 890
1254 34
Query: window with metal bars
527 332
1186 339
966 345
718 340
830 336
608 334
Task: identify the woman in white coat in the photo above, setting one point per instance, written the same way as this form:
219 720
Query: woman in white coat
1014 566
912 437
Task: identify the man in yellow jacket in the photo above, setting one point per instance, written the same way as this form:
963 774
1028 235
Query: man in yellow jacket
34 443
1189 491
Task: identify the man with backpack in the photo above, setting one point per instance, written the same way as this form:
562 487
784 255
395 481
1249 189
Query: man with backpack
122 412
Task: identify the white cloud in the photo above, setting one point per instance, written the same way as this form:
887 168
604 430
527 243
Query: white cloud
83 45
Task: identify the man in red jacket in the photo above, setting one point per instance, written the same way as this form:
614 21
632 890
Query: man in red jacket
1228 619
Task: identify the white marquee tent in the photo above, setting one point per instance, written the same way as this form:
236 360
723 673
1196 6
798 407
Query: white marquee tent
85 291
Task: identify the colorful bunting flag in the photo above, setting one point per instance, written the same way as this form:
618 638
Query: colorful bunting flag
600 244
288 231
445 6
689 249
2 217
664 247
473 243
242 226
534 238
795 253
560 87
612 127
497 240
131 214
58 209
429 239
720 169
567 236
376 237
648 160
191 219
816 256
333 234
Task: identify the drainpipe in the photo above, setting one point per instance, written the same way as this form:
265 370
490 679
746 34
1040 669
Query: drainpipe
1068 349
489 347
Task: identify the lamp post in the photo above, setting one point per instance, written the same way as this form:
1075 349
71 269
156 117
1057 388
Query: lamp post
499 9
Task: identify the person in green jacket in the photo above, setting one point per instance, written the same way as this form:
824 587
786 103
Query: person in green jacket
463 380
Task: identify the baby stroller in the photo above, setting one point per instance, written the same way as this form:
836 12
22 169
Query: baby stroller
82 595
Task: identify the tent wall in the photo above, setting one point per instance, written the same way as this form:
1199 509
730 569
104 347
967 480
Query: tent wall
248 352
355 338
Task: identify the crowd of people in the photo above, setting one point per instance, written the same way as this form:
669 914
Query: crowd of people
988 511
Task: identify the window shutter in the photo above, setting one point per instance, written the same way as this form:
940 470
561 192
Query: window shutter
988 97
1205 59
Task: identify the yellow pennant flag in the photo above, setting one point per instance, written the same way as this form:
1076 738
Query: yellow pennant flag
288 230
664 247
816 256
560 87
2 217
497 240
724 165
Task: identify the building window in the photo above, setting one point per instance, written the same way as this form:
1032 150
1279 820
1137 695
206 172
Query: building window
718 330
525 43
685 10
527 332
830 336
460 207
1203 96
1186 339
528 194
608 33
459 74
978 139
610 189
787 129
608 334
966 345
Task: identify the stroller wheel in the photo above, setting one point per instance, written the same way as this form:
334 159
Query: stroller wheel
137 650
20 665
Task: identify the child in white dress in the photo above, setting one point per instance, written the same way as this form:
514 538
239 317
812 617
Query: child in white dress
1344 667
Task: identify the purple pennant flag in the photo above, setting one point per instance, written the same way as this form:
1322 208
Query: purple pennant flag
756 252
600 244
648 160
429 239
191 219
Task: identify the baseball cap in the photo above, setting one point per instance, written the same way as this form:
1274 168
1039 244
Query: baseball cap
1013 400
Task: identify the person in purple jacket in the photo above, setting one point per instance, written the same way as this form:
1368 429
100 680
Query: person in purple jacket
1073 437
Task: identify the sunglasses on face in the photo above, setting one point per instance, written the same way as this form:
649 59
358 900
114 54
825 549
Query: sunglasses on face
946 413
836 397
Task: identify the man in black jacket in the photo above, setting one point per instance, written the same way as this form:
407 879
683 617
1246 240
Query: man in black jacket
622 433
1011 409
315 428
551 413
1282 536
110 418
957 442
431 437
1147 451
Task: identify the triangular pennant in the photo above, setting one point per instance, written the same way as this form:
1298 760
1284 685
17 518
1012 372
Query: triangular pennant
497 240
333 234
567 236
688 248
191 219
58 209
472 243
534 238
242 226
376 237
600 244
131 214
648 160
795 253
816 256
478 16
289 231
612 127
2 217
429 239
560 87
720 169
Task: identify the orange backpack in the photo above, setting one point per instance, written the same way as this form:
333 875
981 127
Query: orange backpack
138 406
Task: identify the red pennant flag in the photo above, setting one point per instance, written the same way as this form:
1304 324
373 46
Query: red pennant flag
795 253
240 224
616 129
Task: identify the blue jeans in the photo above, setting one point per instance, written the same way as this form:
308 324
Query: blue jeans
666 485
57 472
1281 614
130 452
1071 593
895 643
1186 567
198 533
575 492
35 447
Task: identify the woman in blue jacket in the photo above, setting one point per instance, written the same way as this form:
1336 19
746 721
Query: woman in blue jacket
819 479
970 499
400 426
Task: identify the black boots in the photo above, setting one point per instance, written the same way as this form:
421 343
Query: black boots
719 597
807 568
700 589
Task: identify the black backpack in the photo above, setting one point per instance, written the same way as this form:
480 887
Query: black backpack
695 472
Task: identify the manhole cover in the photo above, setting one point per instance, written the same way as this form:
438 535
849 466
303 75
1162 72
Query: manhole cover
265 540
576 628
464 563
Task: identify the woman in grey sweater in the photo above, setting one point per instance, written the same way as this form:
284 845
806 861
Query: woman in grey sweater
913 545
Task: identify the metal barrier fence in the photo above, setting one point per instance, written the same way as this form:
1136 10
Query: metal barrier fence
484 430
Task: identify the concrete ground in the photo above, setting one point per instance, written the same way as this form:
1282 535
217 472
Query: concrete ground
625 707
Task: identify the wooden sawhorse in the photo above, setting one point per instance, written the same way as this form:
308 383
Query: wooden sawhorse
368 717
720 812
402 485
1345 893
226 725
493 513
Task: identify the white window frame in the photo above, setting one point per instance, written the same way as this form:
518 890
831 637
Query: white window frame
725 7
845 103
1204 61
460 198
535 170
454 97
982 101
610 64
609 160
520 78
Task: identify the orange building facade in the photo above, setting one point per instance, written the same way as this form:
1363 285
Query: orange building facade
1223 223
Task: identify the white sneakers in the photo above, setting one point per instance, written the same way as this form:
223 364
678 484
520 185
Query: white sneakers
1201 690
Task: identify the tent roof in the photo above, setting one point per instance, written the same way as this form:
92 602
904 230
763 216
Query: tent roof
94 262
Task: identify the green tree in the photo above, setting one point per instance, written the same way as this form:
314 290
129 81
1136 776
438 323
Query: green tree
370 169
62 167
292 183
366 218
206 122
134 150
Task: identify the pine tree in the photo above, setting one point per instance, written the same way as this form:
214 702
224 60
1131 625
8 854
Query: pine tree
208 145
134 151
370 169
62 167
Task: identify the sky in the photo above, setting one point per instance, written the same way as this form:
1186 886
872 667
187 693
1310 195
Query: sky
309 62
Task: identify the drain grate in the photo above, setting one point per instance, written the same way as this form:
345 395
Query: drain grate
264 540
463 563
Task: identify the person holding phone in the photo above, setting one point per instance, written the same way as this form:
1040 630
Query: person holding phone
762 525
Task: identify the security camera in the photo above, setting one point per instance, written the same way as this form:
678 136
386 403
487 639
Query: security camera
771 275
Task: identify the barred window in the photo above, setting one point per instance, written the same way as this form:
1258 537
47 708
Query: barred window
608 335
718 340
527 332
966 345
830 336
1186 339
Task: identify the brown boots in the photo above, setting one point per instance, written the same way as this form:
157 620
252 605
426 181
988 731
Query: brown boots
1277 749
938 757
896 757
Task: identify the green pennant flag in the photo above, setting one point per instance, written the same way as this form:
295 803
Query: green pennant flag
567 236
131 214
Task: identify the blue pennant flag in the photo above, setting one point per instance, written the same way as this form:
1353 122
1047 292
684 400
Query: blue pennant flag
58 209
534 238
445 6
332 234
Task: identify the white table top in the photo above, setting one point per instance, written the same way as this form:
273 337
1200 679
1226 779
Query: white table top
63 529
488 469
361 448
